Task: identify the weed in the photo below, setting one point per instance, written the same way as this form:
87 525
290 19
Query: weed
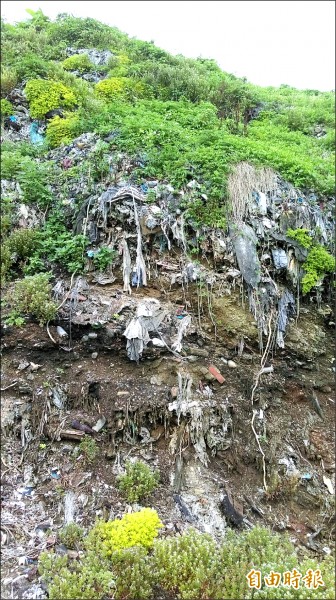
138 482
89 448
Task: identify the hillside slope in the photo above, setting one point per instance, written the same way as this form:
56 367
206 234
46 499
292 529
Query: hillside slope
167 264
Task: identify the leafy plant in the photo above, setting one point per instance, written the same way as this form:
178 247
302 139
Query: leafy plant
61 130
138 482
301 236
71 535
78 62
45 95
318 263
8 81
134 529
32 296
6 107
89 448
103 258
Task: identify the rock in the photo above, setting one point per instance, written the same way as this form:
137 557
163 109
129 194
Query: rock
198 352
156 380
174 392
94 355
92 336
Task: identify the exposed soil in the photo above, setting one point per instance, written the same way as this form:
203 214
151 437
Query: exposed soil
132 397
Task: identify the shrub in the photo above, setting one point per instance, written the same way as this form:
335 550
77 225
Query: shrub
119 88
6 108
31 66
78 62
134 529
318 263
61 131
8 80
301 236
89 448
17 248
32 296
104 258
45 95
138 482
71 535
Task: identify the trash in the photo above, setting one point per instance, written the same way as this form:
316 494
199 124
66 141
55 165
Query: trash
183 508
59 398
182 328
34 366
232 509
71 434
92 335
157 342
286 308
231 364
23 365
55 473
328 483
316 405
216 374
69 507
306 476
35 136
279 258
245 242
99 425
148 318
81 427
61 332
267 370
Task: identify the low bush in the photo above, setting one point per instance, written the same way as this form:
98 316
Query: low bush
71 536
45 95
6 108
124 558
318 263
138 482
32 297
61 131
89 448
8 80
78 62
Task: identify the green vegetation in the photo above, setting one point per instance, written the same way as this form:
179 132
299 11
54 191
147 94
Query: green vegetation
71 535
78 62
124 558
32 297
319 261
181 118
44 96
88 447
138 482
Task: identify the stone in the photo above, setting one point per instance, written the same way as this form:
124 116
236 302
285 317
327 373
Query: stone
232 364
94 355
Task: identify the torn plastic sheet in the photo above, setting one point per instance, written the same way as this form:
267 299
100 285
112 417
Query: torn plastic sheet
286 308
148 318
140 263
178 231
126 266
279 258
245 243
182 328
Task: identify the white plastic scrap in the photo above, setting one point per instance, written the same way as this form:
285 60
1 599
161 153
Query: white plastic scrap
148 318
140 263
126 267
69 507
182 328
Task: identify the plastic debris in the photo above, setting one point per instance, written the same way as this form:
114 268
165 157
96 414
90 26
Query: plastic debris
216 374
286 308
182 328
99 425
329 485
148 318
55 473
279 258
61 332
245 243
59 398
35 137
81 427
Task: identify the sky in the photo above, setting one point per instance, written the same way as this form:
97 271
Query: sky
268 42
